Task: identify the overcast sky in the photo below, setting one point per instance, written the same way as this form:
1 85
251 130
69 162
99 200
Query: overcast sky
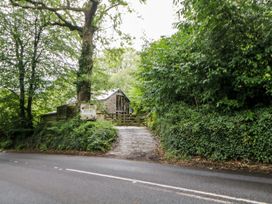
157 18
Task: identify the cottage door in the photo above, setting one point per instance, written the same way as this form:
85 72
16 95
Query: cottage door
120 108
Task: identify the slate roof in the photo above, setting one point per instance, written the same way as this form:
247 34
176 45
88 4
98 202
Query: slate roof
106 94
101 97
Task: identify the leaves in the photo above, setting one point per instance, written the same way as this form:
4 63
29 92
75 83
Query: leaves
207 88
71 135
187 132
32 56
221 56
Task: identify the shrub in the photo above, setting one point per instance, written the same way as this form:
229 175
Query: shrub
71 135
5 144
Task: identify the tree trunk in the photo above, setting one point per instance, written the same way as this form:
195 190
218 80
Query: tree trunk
85 69
86 58
29 112
30 98
22 115
32 84
31 89
19 48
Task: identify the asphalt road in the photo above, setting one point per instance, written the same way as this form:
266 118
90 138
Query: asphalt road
55 179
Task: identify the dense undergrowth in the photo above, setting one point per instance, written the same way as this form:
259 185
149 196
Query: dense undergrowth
66 136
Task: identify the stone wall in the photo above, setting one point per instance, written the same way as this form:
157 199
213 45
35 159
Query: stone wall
66 111
110 104
49 117
63 113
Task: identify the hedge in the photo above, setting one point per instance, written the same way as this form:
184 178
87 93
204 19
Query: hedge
245 135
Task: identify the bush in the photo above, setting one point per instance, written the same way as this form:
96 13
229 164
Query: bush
244 135
5 144
71 135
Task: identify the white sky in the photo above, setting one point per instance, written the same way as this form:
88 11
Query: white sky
157 19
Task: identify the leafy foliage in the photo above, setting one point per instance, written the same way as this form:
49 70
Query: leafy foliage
8 111
71 135
223 61
208 87
245 135
55 94
31 58
115 68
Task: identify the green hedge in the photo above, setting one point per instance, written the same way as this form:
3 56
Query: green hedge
243 136
71 135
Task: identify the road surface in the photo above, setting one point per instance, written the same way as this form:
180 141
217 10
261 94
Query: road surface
55 179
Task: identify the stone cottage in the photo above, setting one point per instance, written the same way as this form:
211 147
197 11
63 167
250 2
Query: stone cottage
110 102
114 101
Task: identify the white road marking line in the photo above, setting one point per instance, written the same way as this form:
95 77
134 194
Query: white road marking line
55 167
203 198
168 186
16 162
188 195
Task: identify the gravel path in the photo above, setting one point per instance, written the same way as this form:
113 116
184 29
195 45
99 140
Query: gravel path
134 143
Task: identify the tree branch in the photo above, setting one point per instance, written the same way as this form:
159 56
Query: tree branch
90 14
36 5
10 90
42 6
107 10
69 26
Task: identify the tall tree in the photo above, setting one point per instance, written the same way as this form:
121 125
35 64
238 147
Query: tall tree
28 57
221 57
84 18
